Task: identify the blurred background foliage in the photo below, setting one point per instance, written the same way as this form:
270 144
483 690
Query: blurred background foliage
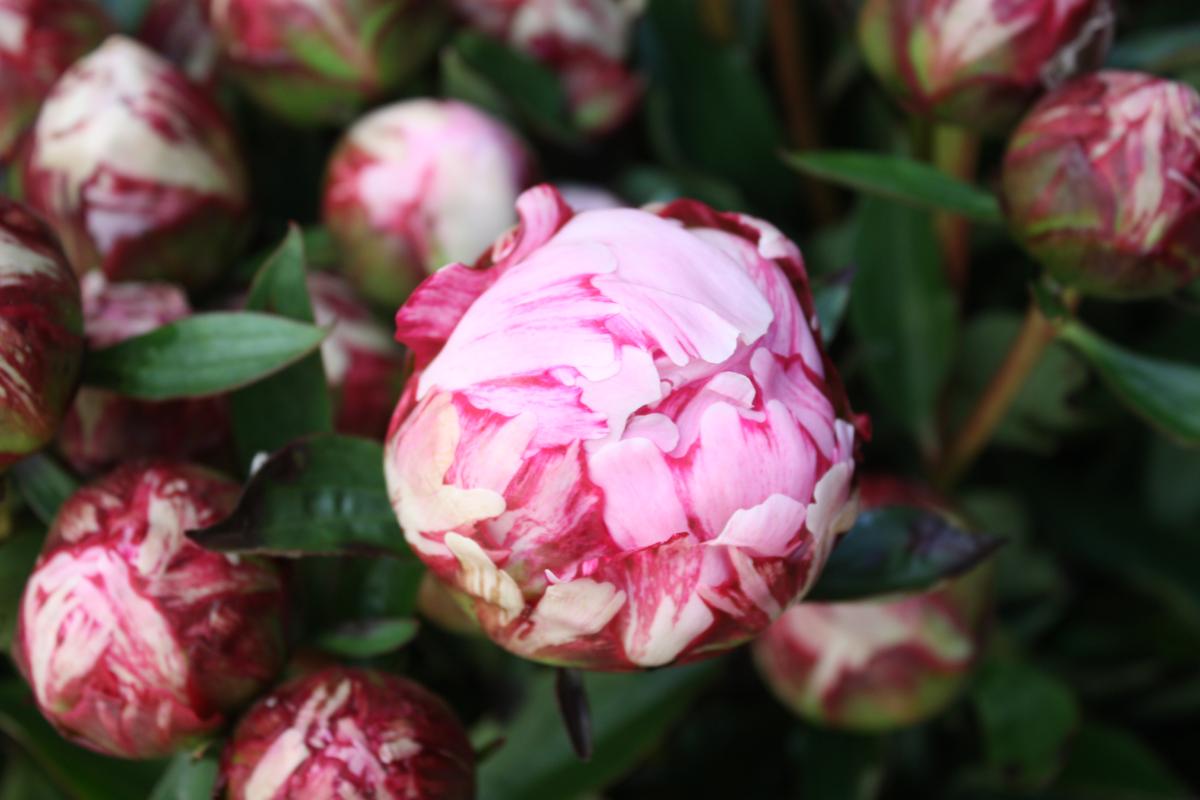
1091 685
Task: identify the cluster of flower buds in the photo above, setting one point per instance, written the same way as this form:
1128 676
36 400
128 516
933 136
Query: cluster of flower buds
103 428
622 440
417 185
39 39
342 732
41 333
878 664
980 63
1102 184
314 61
136 641
585 42
137 169
363 364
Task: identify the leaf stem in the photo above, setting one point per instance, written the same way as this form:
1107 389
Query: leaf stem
1036 334
956 153
794 79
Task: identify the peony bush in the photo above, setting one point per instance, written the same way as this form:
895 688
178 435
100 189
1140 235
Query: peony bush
568 399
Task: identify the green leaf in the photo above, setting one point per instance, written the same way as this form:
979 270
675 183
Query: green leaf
18 553
1042 410
22 780
204 354
1165 394
630 713
294 402
368 638
1158 51
44 484
1027 718
899 549
903 311
80 773
188 778
324 495
1108 763
481 70
900 178
831 295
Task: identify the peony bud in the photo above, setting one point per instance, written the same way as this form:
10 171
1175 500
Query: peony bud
622 439
135 640
314 61
1102 184
41 333
38 40
419 184
137 169
344 732
363 364
586 42
179 30
878 664
980 63
103 428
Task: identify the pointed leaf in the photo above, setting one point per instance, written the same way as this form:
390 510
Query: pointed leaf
368 638
188 778
1164 393
204 354
573 705
899 549
899 178
44 483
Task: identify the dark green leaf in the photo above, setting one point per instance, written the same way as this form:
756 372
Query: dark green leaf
1170 479
294 402
187 778
18 553
1027 718
22 780
630 713
899 549
648 184
831 295
80 773
323 495
200 355
368 638
840 766
1159 51
900 178
44 484
1110 764
1165 394
903 312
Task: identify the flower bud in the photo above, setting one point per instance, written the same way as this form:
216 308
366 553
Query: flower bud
137 169
876 665
980 63
419 184
137 641
315 61
41 333
343 732
102 427
622 440
1102 184
179 30
38 40
586 42
363 364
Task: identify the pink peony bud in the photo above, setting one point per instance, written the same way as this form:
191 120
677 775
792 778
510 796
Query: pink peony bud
38 40
103 428
419 184
1102 184
41 333
622 439
179 30
344 732
980 63
878 664
313 61
363 364
586 42
135 640
137 169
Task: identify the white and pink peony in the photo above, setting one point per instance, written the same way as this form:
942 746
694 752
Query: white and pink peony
622 441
